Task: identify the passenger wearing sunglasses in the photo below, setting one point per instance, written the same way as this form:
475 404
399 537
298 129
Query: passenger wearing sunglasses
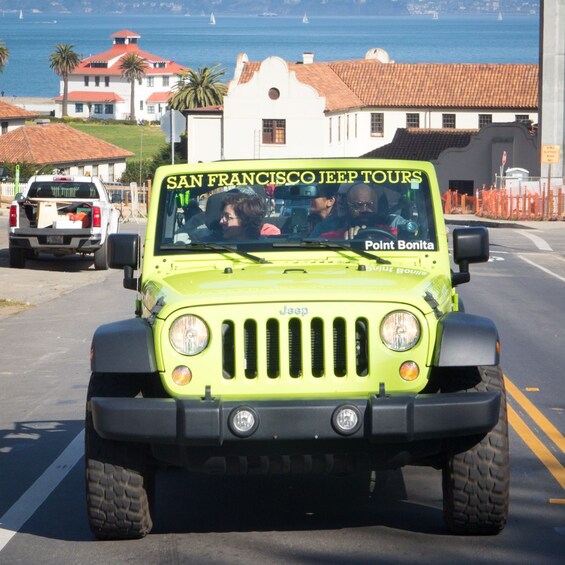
361 212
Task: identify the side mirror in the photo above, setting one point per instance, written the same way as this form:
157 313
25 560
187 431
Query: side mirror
20 198
470 245
124 252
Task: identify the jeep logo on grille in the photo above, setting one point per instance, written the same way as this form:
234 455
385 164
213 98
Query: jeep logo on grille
293 311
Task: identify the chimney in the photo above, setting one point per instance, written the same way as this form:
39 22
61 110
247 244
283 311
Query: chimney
307 58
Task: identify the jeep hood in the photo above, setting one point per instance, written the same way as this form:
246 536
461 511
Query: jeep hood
297 284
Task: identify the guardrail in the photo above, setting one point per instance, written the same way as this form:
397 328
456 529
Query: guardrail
500 204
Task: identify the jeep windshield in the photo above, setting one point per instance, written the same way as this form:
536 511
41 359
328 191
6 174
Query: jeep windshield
277 208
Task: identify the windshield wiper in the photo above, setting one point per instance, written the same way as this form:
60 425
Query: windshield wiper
325 244
202 246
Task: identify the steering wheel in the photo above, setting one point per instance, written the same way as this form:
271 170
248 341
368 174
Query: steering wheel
368 232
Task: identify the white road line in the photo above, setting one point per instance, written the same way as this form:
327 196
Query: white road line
35 496
540 243
542 268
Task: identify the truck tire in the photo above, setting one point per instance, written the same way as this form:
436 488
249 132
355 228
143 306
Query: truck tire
476 478
101 257
119 475
17 258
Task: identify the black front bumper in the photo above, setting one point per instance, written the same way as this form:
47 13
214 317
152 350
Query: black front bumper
386 419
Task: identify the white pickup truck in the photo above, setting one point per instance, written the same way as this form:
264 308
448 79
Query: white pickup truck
62 215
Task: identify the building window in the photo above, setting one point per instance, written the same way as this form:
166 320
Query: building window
96 81
448 121
4 127
108 108
274 93
106 82
86 81
150 81
485 120
111 172
522 117
377 124
80 170
150 109
274 131
94 170
166 81
79 108
98 108
412 120
141 104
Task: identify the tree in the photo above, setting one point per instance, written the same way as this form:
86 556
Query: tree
197 89
63 61
133 69
4 54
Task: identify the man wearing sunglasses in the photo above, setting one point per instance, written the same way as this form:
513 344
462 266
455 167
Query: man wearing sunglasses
361 212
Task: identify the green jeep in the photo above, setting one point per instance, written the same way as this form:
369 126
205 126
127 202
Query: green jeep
270 339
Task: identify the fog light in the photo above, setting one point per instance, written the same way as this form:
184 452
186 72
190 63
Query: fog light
409 371
182 375
346 420
243 421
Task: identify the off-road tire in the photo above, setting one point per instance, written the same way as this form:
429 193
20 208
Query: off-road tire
119 475
17 258
476 479
101 257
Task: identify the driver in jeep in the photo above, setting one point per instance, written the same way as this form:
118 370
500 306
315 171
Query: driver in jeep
361 213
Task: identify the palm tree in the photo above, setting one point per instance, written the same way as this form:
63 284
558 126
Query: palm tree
197 89
63 61
4 54
133 69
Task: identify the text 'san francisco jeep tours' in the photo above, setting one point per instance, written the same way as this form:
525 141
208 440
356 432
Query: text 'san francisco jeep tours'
296 316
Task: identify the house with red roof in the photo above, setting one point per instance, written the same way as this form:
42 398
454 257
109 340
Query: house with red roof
64 149
97 88
276 109
12 117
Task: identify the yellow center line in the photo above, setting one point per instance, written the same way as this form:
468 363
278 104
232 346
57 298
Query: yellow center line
537 447
547 427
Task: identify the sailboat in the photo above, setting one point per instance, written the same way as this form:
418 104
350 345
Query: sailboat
499 16
305 19
21 14
212 19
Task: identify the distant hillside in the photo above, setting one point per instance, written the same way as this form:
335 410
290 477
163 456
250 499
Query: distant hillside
275 7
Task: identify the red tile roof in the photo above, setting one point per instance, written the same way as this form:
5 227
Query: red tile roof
369 82
78 96
113 56
11 112
56 144
159 97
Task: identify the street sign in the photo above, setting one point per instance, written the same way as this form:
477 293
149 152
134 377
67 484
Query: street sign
550 154
173 123
503 158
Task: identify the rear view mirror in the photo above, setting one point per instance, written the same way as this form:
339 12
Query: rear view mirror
296 192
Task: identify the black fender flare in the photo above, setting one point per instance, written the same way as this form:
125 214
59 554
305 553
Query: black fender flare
466 340
125 346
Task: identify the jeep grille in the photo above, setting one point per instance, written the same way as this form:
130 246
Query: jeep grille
295 347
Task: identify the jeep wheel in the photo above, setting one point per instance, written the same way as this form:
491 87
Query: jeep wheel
476 480
17 258
101 257
119 476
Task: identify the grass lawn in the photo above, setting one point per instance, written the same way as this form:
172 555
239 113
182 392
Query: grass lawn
144 141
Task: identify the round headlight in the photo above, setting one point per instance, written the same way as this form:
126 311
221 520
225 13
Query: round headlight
400 330
189 335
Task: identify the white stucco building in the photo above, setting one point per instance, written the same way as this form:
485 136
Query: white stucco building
277 109
97 88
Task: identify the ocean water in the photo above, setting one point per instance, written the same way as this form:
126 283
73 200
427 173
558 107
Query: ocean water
193 42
